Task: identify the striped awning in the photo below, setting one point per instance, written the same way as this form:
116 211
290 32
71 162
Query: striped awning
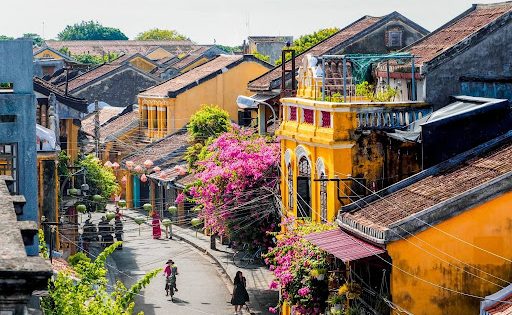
343 246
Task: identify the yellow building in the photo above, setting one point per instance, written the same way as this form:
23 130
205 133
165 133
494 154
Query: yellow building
167 107
446 232
329 149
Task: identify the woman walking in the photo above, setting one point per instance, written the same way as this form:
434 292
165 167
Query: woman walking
157 231
240 295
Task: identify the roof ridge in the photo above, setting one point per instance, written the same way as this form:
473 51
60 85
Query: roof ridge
494 4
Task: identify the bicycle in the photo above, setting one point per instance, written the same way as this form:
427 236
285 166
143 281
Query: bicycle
242 258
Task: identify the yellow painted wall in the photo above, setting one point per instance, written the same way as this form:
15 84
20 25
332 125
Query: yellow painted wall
56 185
72 145
47 54
221 90
194 65
142 64
158 53
488 226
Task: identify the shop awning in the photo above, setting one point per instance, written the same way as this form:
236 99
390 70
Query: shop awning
343 246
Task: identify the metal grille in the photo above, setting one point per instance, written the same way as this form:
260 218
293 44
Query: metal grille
323 199
9 163
290 187
304 188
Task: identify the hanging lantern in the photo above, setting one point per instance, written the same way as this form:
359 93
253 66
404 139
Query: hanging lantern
181 170
108 164
73 191
124 179
81 208
147 206
138 169
97 198
195 222
172 210
143 178
121 203
156 169
110 215
166 222
115 165
139 220
148 164
129 164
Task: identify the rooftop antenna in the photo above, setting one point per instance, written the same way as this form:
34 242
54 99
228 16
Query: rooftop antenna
43 30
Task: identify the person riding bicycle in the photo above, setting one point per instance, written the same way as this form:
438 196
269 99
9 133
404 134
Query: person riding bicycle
170 272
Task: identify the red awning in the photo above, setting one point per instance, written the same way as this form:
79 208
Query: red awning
342 245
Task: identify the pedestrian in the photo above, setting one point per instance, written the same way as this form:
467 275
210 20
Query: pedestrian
90 234
240 295
105 230
157 231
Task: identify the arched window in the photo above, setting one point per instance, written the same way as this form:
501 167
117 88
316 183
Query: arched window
290 186
323 198
304 188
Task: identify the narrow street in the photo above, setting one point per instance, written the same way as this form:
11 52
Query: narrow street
201 288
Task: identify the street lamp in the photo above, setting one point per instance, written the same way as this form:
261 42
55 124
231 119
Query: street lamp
246 102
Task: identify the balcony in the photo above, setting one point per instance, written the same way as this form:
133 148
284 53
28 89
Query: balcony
330 107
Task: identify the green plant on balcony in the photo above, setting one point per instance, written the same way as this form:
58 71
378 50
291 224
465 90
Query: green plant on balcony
367 90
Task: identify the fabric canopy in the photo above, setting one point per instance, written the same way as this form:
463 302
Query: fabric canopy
343 246
45 140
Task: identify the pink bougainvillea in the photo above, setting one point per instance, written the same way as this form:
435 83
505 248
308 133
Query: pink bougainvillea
237 185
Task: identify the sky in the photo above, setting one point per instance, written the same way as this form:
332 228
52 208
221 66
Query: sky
226 22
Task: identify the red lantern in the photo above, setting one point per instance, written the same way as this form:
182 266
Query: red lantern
143 178
129 164
108 164
156 169
115 165
138 169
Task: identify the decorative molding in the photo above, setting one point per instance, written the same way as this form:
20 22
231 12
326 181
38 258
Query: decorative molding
320 167
287 157
300 152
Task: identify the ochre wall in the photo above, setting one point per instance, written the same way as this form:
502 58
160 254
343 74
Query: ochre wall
488 226
158 53
47 54
142 64
221 90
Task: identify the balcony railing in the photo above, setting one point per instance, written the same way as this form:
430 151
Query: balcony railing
384 118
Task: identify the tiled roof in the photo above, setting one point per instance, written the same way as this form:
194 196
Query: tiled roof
190 58
162 151
106 113
186 180
503 307
118 125
101 47
169 174
91 75
45 88
264 82
425 193
191 77
455 31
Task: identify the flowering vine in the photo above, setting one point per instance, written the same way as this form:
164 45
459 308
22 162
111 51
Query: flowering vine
236 186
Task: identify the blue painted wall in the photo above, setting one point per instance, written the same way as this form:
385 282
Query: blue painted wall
136 191
16 67
487 89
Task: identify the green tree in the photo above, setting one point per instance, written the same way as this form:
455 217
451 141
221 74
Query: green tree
261 57
158 34
231 49
36 39
101 179
307 41
95 60
90 30
4 37
206 124
85 290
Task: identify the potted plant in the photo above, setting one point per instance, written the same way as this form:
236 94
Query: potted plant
336 301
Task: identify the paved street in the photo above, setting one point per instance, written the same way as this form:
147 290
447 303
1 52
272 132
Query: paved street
201 288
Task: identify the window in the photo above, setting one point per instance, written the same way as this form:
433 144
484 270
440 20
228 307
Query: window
290 186
8 162
304 189
293 113
325 119
323 198
308 116
394 38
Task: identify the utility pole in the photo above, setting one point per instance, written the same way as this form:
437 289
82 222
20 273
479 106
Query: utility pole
97 128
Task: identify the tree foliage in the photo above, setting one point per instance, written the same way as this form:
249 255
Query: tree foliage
101 179
4 37
206 124
158 34
94 59
85 290
307 41
261 57
91 30
36 39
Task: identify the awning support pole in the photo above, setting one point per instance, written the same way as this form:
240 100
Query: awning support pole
344 79
323 79
413 83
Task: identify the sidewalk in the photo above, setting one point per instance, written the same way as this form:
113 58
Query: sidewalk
258 278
